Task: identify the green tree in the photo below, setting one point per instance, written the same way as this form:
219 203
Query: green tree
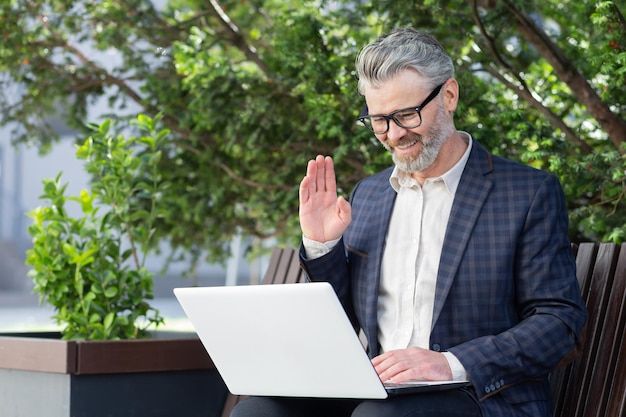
544 83
252 89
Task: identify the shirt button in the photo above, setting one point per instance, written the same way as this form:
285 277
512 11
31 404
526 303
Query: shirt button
436 347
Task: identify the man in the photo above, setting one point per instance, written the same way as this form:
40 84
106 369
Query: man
455 263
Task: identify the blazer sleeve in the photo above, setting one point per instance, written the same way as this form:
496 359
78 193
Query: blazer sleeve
332 268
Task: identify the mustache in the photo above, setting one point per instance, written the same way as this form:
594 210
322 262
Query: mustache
405 140
410 138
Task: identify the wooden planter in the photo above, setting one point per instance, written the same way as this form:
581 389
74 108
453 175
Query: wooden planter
168 375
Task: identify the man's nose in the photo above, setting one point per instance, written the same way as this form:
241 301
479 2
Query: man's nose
395 131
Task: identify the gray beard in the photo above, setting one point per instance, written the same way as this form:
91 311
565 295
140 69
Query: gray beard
437 136
421 161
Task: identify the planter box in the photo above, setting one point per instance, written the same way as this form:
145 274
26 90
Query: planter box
168 375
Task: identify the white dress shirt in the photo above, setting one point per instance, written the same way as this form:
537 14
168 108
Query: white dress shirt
411 258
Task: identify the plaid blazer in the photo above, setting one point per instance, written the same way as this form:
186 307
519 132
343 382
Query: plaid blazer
507 303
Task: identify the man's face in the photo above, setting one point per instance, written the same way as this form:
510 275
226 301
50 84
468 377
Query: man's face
416 149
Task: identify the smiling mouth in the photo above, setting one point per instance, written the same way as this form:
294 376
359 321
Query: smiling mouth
408 142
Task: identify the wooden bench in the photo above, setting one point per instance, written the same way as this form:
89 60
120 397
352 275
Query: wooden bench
594 384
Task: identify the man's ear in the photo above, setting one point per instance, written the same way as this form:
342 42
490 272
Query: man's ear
451 95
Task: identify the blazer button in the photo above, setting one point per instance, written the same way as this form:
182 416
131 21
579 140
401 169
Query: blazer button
487 390
436 347
498 385
492 387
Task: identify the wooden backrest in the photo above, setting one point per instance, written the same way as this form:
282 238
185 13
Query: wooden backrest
594 382
284 267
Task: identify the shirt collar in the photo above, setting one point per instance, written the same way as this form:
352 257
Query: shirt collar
451 178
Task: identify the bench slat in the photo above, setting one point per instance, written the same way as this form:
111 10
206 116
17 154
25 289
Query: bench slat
576 396
594 351
610 339
284 267
616 393
561 379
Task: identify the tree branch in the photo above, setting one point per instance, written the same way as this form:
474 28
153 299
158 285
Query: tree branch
610 122
250 183
523 90
108 78
236 36
556 121
619 16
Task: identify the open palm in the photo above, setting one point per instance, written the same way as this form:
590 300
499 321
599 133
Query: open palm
323 215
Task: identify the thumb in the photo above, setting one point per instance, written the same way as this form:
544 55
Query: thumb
345 210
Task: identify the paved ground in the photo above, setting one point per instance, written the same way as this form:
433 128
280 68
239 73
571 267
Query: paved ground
20 311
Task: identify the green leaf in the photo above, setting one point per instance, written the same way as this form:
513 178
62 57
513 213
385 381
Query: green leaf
110 292
108 321
104 127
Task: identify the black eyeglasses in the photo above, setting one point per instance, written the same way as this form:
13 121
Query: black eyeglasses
408 118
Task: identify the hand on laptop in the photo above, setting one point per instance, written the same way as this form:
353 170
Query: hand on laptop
412 363
323 215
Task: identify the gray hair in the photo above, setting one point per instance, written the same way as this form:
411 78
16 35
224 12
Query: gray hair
400 49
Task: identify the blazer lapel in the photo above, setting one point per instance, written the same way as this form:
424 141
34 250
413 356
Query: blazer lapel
470 197
385 199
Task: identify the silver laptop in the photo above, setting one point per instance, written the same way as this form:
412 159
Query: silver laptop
291 340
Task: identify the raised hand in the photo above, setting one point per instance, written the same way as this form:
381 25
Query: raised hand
323 215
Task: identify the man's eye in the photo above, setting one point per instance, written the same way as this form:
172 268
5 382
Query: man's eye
406 115
379 122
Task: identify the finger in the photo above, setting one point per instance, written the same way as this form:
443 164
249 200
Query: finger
320 174
311 174
405 375
401 371
304 192
392 373
396 365
345 210
382 363
377 360
329 175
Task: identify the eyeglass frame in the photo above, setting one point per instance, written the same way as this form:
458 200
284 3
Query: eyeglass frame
392 116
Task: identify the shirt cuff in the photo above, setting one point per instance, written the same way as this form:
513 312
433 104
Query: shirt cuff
314 249
458 370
